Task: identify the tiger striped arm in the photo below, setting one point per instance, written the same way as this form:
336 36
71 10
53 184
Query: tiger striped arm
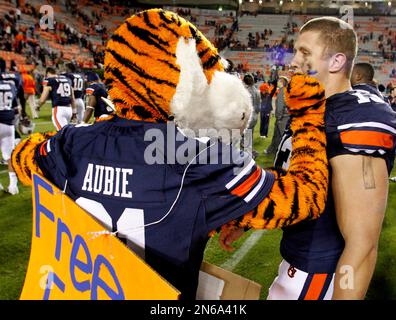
22 158
299 193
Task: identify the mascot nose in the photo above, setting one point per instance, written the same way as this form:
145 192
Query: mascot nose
243 115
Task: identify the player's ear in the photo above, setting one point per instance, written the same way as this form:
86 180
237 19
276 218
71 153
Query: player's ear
337 62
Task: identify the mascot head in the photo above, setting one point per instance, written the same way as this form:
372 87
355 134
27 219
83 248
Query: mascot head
160 67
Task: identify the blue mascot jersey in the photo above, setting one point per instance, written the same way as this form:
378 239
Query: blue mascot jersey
357 122
108 168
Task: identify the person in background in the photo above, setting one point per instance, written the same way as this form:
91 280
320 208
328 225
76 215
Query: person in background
59 89
362 78
15 78
281 115
78 83
8 109
95 104
267 93
29 87
256 102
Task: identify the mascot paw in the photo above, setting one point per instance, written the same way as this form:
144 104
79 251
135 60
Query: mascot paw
22 158
304 94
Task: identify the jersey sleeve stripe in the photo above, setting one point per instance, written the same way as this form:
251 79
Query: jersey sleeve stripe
43 152
365 150
368 138
241 174
248 184
257 188
367 124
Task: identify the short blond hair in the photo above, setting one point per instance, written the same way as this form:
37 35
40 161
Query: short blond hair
337 37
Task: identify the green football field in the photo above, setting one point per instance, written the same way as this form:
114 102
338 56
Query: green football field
259 262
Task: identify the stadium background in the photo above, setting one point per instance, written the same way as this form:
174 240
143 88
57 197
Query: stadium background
256 35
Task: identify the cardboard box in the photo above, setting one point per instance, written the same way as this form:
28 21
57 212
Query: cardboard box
216 283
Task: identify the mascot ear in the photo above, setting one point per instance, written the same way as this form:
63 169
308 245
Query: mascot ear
224 104
186 104
230 102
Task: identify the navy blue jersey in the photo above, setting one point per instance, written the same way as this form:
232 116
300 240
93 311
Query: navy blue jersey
370 88
98 90
61 90
8 102
13 77
357 122
115 171
78 84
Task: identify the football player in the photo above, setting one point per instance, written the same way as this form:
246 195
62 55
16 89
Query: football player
78 83
59 88
16 79
8 108
95 91
362 78
361 131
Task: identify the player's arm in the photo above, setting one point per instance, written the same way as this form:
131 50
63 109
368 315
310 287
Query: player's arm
301 192
89 109
360 189
74 106
44 96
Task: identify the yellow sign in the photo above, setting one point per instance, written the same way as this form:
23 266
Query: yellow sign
68 262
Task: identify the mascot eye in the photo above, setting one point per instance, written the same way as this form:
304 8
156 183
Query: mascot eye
243 116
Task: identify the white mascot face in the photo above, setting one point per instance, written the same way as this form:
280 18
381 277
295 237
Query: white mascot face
221 108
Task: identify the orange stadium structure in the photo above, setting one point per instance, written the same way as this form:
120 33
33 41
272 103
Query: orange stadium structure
236 44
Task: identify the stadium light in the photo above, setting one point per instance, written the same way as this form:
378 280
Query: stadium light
220 8
240 1
389 4
280 2
250 0
260 2
366 4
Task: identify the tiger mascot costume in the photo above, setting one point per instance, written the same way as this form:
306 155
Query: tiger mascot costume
162 72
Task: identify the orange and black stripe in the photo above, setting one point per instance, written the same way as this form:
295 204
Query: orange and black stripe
248 184
22 158
43 151
142 50
301 192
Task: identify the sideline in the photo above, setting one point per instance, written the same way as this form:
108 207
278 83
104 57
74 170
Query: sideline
249 243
